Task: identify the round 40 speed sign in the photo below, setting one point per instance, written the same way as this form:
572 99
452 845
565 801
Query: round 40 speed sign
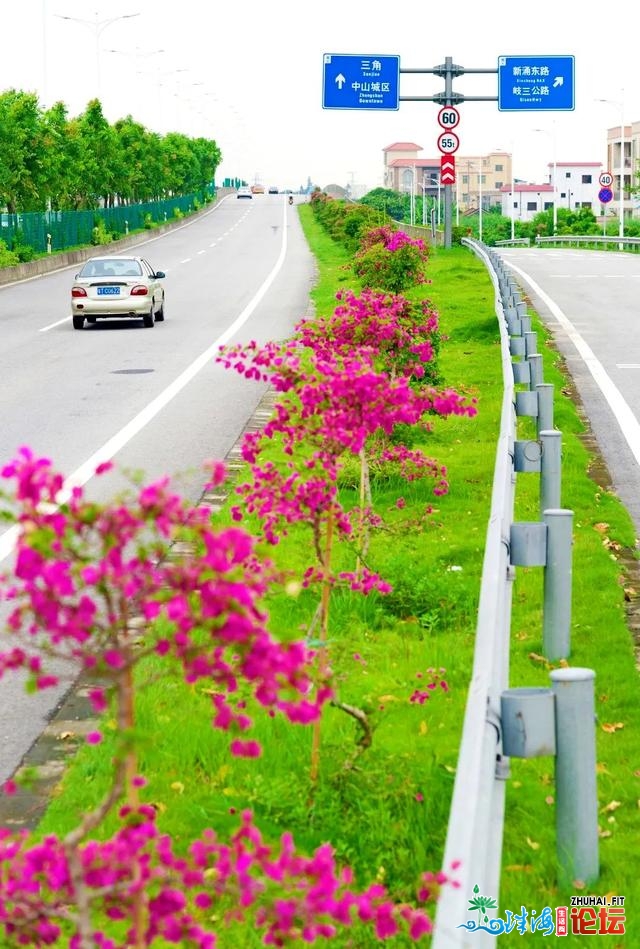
448 143
606 179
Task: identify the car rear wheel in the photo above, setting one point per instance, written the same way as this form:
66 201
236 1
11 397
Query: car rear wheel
148 318
78 322
160 314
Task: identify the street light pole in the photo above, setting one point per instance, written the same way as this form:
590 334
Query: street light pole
620 103
99 26
555 175
480 195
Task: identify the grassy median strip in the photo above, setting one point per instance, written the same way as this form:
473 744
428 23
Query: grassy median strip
383 794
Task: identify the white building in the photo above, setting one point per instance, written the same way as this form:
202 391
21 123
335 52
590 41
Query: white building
576 186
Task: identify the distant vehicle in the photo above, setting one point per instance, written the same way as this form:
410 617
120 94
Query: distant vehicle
273 189
257 189
244 193
115 288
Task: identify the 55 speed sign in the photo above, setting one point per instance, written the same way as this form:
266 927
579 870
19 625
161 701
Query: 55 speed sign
448 143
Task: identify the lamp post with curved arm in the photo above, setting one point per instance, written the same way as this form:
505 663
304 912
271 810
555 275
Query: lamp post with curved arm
98 26
620 104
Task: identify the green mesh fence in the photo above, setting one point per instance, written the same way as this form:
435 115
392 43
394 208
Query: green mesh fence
62 230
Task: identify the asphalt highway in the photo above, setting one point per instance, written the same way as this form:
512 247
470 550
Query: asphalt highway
152 400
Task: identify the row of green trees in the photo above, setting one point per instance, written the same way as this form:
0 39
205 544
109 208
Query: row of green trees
51 161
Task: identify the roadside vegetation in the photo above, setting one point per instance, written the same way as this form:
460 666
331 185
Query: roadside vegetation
376 781
497 227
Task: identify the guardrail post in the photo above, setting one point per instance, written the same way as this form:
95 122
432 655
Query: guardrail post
535 369
560 721
550 470
545 406
530 342
556 618
576 790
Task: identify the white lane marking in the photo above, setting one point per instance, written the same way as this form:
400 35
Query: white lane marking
628 365
186 260
201 252
627 421
43 329
110 448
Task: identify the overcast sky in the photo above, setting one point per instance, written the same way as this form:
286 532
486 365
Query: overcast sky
249 75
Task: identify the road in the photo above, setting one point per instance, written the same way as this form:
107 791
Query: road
590 301
152 399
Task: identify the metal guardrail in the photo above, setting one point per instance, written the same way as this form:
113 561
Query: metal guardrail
578 240
563 240
474 836
500 722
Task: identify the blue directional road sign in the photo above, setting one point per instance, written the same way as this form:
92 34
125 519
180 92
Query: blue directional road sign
536 83
356 81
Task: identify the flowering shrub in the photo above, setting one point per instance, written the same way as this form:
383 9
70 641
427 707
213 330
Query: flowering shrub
82 572
390 260
403 335
57 887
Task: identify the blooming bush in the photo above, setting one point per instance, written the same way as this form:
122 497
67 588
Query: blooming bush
390 260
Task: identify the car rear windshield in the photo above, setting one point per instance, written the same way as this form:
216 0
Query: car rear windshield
111 268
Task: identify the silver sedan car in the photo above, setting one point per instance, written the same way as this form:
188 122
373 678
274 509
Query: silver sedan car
117 287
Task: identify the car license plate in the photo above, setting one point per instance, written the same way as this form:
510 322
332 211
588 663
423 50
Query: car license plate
108 291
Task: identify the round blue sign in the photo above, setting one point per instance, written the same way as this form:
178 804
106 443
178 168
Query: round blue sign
605 195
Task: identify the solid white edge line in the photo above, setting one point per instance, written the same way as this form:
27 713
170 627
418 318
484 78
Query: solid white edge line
626 419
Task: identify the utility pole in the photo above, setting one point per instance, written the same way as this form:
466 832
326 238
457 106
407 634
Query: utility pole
449 71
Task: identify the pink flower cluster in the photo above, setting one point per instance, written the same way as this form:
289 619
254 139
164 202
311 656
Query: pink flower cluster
347 382
284 894
84 571
436 681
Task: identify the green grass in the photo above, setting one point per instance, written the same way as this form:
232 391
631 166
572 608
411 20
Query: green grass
386 810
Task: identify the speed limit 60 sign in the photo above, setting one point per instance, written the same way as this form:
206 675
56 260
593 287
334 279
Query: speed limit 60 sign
448 117
448 143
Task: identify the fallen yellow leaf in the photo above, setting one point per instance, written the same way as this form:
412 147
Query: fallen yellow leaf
423 728
533 844
387 698
178 786
604 833
601 527
64 735
611 727
549 799
518 867
611 806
